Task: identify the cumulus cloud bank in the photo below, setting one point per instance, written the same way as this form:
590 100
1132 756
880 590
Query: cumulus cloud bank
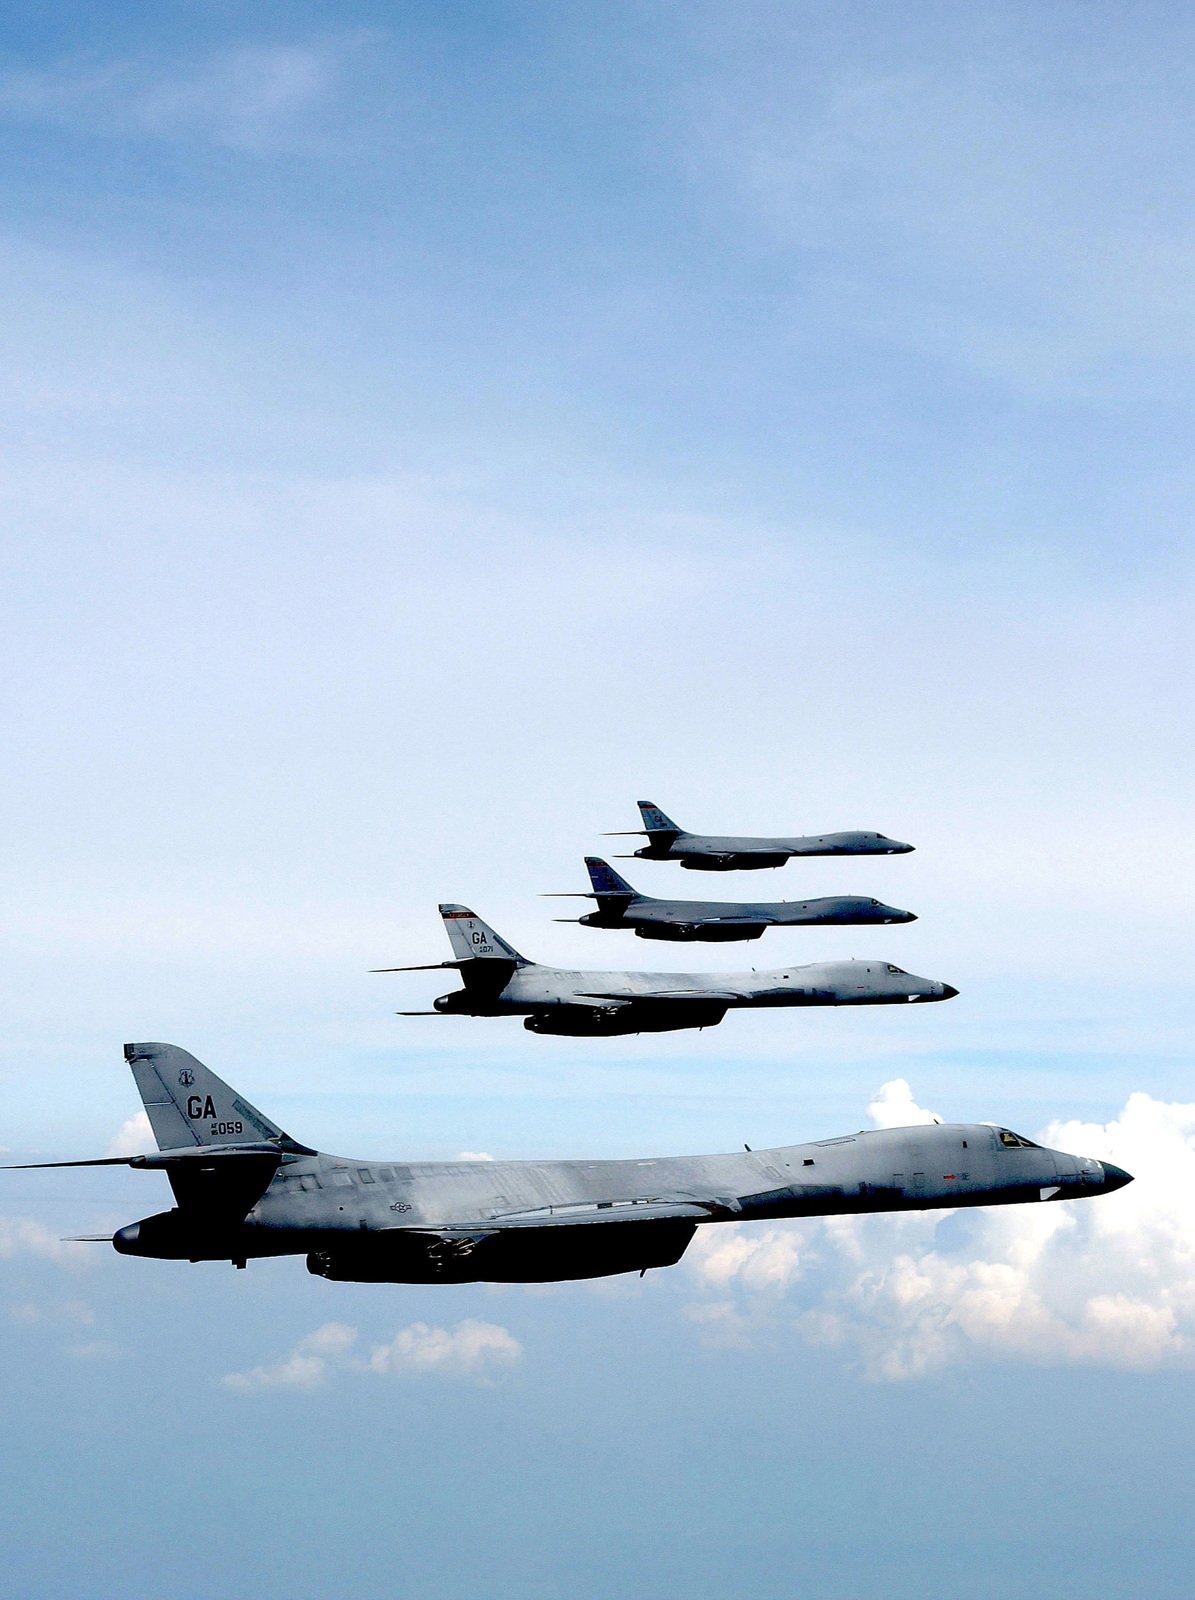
473 1349
1106 1281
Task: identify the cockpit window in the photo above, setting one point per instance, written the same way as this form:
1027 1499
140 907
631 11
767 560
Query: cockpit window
875 902
1014 1141
897 972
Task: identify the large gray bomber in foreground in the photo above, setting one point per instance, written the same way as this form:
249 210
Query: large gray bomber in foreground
244 1190
498 982
708 852
618 905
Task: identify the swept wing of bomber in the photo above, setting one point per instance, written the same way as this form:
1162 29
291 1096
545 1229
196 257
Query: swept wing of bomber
620 906
243 1189
498 981
707 852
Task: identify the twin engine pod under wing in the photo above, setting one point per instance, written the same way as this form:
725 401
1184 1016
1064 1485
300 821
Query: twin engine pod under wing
246 1190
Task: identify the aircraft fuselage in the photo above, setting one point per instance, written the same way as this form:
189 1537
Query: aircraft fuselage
505 1220
730 853
531 988
716 920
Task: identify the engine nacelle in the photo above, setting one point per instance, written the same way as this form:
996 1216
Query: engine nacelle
453 1004
731 863
577 1022
591 1022
522 1255
173 1236
698 932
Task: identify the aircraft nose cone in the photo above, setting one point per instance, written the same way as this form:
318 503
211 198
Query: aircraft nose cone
1115 1177
948 991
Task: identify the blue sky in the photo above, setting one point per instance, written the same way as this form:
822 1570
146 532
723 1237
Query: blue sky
429 428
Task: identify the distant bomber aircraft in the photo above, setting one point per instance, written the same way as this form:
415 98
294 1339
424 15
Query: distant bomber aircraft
498 981
244 1189
713 921
705 852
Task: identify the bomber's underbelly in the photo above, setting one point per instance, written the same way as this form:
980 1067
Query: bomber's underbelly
524 1255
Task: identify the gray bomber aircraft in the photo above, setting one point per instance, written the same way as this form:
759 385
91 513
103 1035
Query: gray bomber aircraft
706 852
245 1190
714 921
499 981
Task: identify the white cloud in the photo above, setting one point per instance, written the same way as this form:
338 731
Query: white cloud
306 1367
134 1137
296 1371
1107 1281
473 1155
473 1349
894 1107
753 1258
756 1264
331 1340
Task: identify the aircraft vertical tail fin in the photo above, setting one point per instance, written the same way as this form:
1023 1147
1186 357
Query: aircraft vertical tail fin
655 820
189 1105
474 940
606 882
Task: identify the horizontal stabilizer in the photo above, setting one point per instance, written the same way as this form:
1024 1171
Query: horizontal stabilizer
160 1160
219 1155
424 966
96 1161
87 1238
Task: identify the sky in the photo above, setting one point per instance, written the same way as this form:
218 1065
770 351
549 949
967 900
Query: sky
430 428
